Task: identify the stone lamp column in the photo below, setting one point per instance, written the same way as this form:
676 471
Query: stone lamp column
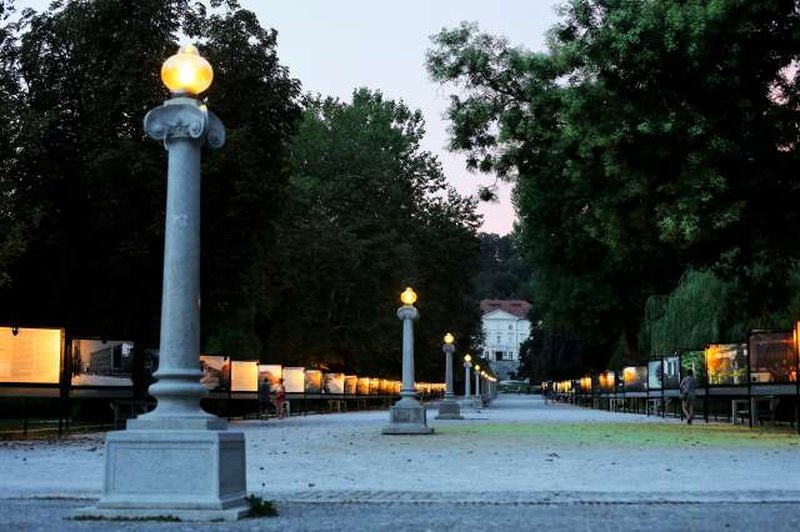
449 408
407 416
178 460
467 381
477 371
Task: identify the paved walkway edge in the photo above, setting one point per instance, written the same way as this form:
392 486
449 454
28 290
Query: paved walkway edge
533 498
505 498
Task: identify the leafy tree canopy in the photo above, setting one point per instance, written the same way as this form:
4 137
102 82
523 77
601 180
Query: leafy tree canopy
370 213
651 136
504 273
88 187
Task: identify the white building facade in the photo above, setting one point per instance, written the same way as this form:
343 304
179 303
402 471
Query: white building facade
505 328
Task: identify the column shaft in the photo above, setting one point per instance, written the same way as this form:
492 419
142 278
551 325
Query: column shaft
178 389
448 394
408 358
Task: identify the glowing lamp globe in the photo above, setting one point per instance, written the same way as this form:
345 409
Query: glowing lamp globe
449 339
467 358
187 72
408 297
477 367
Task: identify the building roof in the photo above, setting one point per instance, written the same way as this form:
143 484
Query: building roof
516 307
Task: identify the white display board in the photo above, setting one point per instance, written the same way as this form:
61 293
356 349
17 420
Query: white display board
31 355
244 376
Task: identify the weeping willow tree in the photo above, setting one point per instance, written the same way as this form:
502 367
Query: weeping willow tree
699 311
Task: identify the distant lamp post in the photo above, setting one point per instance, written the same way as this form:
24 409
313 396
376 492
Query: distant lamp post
477 371
467 379
407 416
178 460
449 407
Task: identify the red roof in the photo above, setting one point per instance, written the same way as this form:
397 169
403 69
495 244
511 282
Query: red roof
517 307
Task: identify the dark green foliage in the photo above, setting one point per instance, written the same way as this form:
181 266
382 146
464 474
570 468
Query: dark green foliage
304 254
89 188
12 229
652 136
704 309
504 274
260 508
369 214
245 183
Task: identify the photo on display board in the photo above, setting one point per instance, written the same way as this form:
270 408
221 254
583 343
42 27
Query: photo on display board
101 363
351 384
244 376
607 381
215 372
294 379
655 373
672 373
773 357
313 381
695 361
30 356
273 373
726 364
635 378
619 380
334 383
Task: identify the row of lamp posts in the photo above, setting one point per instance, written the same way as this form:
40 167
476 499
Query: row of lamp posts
408 416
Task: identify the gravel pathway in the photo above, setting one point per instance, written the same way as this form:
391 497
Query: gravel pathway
520 451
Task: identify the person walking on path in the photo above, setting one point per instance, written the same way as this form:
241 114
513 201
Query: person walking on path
280 398
688 387
263 398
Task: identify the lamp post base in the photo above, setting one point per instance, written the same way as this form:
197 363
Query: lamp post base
449 409
191 475
150 514
407 416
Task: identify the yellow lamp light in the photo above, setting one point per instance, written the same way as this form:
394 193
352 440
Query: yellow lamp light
187 72
477 367
408 297
449 339
467 358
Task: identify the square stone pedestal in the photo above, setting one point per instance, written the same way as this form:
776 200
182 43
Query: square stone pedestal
407 416
449 409
191 475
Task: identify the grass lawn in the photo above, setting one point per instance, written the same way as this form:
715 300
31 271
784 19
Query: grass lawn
632 434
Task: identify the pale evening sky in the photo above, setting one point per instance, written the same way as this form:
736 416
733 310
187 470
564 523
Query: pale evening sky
334 47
